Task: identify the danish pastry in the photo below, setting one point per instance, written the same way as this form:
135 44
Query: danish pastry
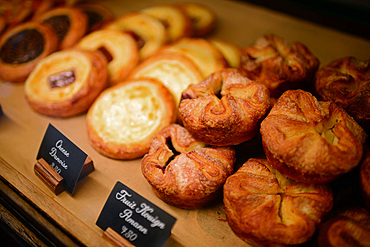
230 51
349 228
176 21
264 208
69 23
97 15
224 109
66 82
124 118
175 71
279 65
184 172
311 141
346 81
120 49
149 32
22 47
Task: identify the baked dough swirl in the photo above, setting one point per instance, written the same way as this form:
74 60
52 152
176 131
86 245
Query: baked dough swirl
264 208
184 172
311 141
224 109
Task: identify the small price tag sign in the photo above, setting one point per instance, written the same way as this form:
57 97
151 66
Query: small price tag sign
136 219
63 156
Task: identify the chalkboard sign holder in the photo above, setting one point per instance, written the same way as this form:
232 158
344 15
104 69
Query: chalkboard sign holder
116 238
52 179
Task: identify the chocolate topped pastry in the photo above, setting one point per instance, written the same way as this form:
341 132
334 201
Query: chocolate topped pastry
97 15
22 47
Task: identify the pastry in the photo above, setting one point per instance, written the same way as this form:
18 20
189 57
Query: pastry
69 23
149 32
184 172
311 141
97 15
349 228
16 11
22 47
176 21
279 65
231 52
365 178
66 82
120 49
175 71
346 81
224 109
124 118
203 18
202 52
264 208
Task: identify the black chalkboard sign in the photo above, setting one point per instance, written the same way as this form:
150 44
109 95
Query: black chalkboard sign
63 156
135 218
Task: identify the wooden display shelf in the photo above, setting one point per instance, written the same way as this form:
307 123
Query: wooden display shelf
70 219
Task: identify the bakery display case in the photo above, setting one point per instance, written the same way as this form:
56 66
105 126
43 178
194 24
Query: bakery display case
37 216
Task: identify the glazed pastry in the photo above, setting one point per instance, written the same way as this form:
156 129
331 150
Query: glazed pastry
346 81
230 51
177 22
203 18
224 109
149 32
184 172
97 15
264 208
202 52
16 11
124 118
349 228
120 49
175 71
22 47
365 178
69 23
311 141
66 83
279 65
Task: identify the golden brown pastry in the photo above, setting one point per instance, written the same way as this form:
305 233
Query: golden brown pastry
69 23
279 65
346 81
184 172
66 82
230 51
264 208
149 32
124 118
311 141
120 49
365 178
224 109
203 18
22 47
176 21
347 229
97 15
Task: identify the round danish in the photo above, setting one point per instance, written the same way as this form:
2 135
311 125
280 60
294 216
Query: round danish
365 178
230 51
264 208
69 23
224 109
149 32
279 65
311 141
346 81
120 49
349 228
203 18
184 172
22 47
16 12
124 118
66 82
97 15
175 71
177 22
202 52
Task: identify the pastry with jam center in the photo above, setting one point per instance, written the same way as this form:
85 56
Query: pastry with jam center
184 172
97 15
69 23
67 82
22 47
124 118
